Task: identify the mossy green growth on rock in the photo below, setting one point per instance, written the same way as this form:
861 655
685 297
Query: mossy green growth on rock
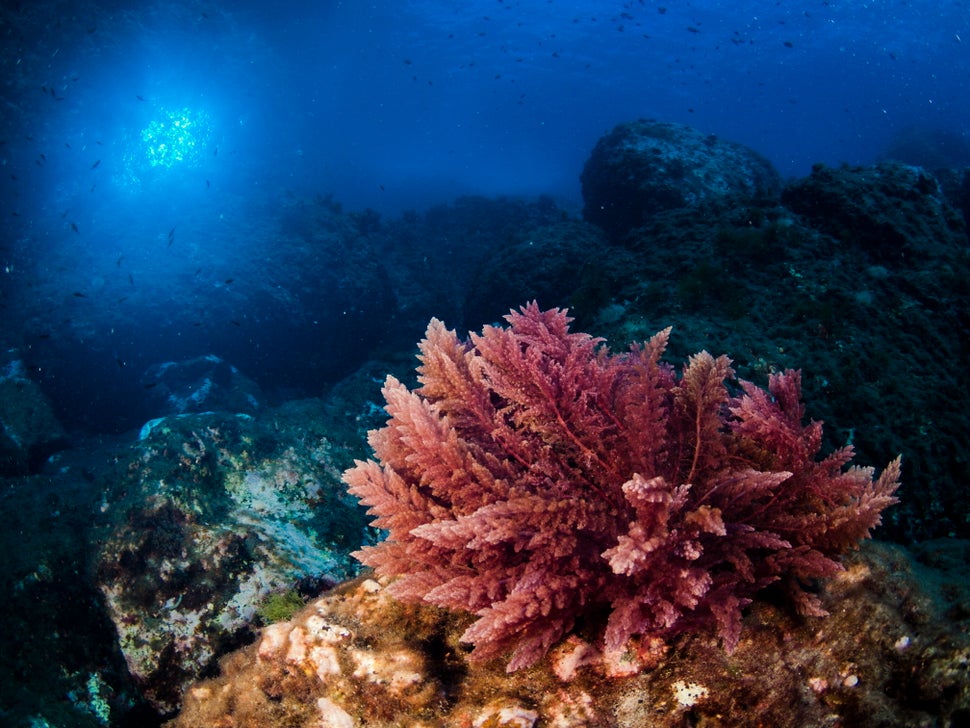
280 606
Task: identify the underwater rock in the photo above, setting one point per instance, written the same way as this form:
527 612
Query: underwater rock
557 265
433 259
890 210
644 167
203 384
29 431
218 512
893 652
955 184
880 340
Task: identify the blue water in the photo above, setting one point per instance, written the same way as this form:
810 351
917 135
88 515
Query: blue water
150 149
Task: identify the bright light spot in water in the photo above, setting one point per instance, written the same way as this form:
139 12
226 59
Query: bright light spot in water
172 143
179 137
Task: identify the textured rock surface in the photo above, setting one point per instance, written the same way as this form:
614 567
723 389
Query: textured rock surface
894 652
644 167
886 209
219 511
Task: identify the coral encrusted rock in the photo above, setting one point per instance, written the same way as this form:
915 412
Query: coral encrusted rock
215 513
893 653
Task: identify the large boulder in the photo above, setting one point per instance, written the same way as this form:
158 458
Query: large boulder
216 513
645 167
29 431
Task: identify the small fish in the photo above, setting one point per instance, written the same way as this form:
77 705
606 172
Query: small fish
229 280
234 322
139 97
692 29
74 227
95 165
131 279
120 258
150 385
171 236
788 44
207 184
78 294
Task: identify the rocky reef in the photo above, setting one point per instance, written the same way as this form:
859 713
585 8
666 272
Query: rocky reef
140 557
138 561
895 652
217 512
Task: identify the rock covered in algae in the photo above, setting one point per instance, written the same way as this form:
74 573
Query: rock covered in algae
217 512
895 651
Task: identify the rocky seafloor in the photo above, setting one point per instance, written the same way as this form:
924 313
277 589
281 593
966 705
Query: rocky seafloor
139 564
895 651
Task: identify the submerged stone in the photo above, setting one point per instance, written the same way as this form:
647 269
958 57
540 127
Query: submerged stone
645 167
891 653
218 512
